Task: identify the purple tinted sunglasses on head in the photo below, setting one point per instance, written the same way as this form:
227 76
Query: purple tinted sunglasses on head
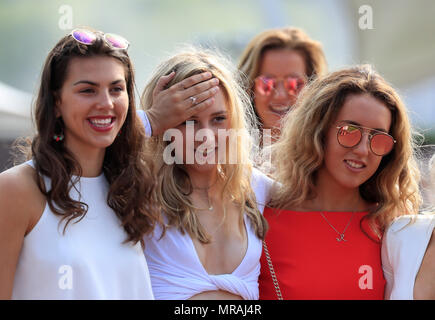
88 37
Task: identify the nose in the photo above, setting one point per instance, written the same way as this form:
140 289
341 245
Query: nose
363 147
280 91
105 100
205 135
206 129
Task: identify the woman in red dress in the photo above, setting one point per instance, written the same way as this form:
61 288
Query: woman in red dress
346 168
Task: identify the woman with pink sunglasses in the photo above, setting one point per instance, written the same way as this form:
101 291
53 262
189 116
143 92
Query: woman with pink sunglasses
347 169
72 219
278 63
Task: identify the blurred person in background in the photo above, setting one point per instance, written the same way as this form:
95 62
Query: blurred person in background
277 64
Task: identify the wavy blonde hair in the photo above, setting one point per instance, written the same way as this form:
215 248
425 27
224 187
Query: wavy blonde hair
174 185
393 187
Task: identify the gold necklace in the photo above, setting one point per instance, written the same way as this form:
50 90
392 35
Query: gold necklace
341 234
210 205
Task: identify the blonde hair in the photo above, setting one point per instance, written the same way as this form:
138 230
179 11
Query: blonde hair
282 38
393 187
174 185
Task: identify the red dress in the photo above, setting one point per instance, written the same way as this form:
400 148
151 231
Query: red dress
310 263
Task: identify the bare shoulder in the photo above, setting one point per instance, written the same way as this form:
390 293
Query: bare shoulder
425 280
18 180
20 198
21 206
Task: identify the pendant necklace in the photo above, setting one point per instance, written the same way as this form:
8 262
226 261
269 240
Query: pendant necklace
210 205
340 234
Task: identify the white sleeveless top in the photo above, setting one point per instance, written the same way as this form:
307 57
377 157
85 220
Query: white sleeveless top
178 274
89 261
403 249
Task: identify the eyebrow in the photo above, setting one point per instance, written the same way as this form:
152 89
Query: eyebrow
96 84
218 113
214 114
290 75
358 124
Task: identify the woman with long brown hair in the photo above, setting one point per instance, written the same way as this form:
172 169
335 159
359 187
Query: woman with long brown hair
73 217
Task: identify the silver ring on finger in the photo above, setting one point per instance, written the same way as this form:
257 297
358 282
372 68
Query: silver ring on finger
193 99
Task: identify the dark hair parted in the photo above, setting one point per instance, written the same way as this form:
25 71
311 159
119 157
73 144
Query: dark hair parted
131 186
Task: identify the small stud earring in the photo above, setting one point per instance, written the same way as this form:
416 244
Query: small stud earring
58 137
58 128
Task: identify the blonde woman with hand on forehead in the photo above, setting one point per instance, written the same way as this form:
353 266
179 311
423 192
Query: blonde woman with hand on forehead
209 245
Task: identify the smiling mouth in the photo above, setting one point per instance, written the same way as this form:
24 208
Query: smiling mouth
355 164
279 108
101 124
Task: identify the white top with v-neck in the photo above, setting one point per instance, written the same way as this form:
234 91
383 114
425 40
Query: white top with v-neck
177 273
403 248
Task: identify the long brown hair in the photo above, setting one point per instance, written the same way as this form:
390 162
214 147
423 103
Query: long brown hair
393 187
131 184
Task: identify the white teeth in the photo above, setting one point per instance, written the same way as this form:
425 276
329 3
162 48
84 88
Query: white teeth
280 109
354 164
101 122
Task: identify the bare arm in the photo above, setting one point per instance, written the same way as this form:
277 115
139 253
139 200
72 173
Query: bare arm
174 105
424 286
17 212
